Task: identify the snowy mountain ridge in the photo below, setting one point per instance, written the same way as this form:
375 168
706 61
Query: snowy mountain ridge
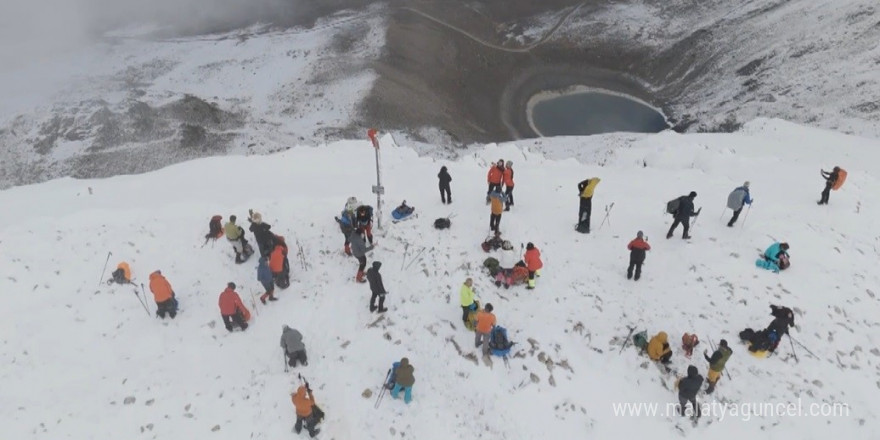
82 361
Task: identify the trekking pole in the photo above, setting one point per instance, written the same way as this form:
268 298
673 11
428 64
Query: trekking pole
608 209
383 390
803 346
792 349
745 217
405 250
416 257
284 356
143 303
722 212
626 341
105 268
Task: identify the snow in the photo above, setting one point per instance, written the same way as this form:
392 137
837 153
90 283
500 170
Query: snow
73 352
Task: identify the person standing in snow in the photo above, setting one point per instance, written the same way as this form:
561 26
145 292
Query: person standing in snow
638 249
468 302
364 219
359 249
231 308
683 215
403 380
485 323
294 349
507 177
163 294
279 265
264 276
303 400
495 178
235 235
445 191
688 387
586 189
532 258
737 199
265 239
377 288
497 200
716 364
830 180
346 224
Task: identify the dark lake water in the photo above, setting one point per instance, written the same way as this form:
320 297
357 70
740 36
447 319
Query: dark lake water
586 113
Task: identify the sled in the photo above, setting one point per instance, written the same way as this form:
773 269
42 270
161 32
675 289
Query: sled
760 354
403 212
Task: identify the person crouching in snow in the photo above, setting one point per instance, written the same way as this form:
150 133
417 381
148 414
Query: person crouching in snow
403 380
688 342
377 288
359 249
163 294
775 258
658 348
532 258
638 248
264 276
294 349
231 308
303 400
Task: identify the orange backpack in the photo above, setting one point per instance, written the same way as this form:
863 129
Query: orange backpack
841 177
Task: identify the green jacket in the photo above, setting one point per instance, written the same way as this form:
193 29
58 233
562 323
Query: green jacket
719 358
467 295
233 231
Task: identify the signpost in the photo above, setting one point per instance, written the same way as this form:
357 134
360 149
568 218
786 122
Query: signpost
378 189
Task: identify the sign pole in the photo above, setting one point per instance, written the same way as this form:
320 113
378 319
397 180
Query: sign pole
378 189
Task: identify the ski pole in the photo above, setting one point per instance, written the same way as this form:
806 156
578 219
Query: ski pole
803 346
416 257
792 349
105 267
144 302
745 217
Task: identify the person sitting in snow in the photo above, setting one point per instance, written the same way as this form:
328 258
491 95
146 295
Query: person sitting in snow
688 387
235 235
775 258
518 274
163 294
638 248
364 220
231 308
658 348
294 349
688 342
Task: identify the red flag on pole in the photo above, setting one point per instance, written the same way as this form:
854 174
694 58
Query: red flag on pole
371 133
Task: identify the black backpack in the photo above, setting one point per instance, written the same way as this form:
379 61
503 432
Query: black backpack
672 205
442 223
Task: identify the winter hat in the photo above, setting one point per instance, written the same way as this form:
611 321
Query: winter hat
723 342
257 218
404 361
488 308
692 371
377 265
284 327
232 218
509 163
231 285
746 184
530 246
640 234
692 194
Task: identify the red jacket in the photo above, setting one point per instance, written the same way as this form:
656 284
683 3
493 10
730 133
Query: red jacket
230 302
533 259
508 177
495 175
276 260
640 244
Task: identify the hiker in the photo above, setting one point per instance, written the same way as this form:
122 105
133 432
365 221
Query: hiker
278 263
231 308
830 181
497 200
688 343
294 349
163 294
468 302
359 249
586 189
264 276
783 319
376 288
658 348
346 222
485 322
215 230
775 258
507 177
364 220
445 191
495 178
518 274
122 274
716 364
265 239
235 235
532 258
403 380
683 215
737 199
303 400
638 249
688 387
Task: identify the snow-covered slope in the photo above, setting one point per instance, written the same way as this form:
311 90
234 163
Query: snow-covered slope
73 353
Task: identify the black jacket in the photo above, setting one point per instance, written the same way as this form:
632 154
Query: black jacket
444 177
375 279
261 232
689 386
830 178
685 208
780 325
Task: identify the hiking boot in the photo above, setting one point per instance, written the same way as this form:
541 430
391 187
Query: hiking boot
530 287
668 236
507 208
685 237
263 300
272 298
730 225
373 308
382 310
629 276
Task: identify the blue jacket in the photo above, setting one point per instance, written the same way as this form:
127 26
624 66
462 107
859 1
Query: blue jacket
739 197
772 252
748 198
264 275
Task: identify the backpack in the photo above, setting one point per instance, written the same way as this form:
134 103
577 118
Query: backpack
640 340
317 414
498 339
442 223
215 229
841 177
392 377
672 205
493 265
471 323
118 276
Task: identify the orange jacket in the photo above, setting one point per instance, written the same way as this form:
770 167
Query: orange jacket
125 269
302 401
508 177
533 259
276 260
495 175
230 302
485 321
160 287
497 205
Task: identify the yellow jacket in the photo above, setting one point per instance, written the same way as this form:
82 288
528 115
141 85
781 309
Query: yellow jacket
655 346
590 186
467 295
